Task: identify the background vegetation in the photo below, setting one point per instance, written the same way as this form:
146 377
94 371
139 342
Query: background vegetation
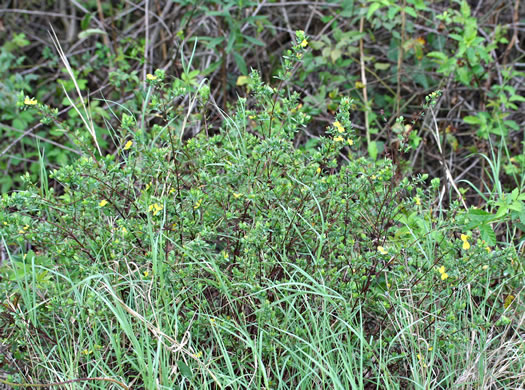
259 194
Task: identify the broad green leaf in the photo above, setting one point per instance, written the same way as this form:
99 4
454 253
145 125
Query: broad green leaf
487 234
411 11
184 369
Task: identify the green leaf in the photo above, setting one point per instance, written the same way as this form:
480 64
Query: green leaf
214 42
184 369
254 41
411 11
372 149
381 65
231 41
373 8
465 9
437 55
90 31
517 98
487 234
335 54
472 120
239 60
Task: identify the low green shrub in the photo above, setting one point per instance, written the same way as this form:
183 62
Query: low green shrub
198 257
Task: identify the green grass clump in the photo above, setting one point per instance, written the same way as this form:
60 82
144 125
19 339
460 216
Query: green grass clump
201 258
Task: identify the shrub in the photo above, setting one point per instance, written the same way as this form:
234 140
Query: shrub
200 257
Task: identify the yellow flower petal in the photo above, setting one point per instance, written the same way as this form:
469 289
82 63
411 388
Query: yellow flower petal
466 245
441 269
350 141
155 208
339 139
381 250
236 195
30 101
444 276
151 77
339 126
128 145
464 237
304 43
103 202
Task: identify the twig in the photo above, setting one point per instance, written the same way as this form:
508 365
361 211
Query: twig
363 79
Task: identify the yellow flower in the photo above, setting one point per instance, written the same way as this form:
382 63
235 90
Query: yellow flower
338 139
103 202
236 195
304 43
155 208
151 77
318 170
444 275
128 145
339 126
466 244
487 248
146 273
198 204
197 355
30 101
381 250
350 141
418 201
